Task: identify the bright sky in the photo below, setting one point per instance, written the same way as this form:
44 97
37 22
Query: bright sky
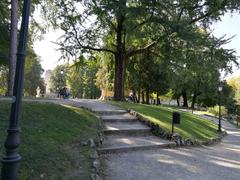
229 25
48 50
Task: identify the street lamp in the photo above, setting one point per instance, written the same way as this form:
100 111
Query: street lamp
62 81
60 84
219 115
11 160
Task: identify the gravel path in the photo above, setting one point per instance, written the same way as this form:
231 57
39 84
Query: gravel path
218 162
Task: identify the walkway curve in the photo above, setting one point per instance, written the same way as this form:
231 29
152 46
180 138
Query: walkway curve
221 161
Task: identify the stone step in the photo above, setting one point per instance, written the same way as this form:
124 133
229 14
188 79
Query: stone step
123 125
118 128
129 132
119 118
117 144
123 128
110 112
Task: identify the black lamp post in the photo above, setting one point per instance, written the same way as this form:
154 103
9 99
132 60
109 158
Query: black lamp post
192 102
11 160
62 81
219 105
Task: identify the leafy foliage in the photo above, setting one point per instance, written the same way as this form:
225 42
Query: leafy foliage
234 82
4 44
127 28
215 110
32 75
3 80
4 32
82 78
58 78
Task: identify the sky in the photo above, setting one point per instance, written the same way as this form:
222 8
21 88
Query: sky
47 50
229 26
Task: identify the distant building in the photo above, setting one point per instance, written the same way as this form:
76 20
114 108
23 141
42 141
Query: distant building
47 80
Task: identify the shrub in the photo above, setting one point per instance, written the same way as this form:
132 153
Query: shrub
215 110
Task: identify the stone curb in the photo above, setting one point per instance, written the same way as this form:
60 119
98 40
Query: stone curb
179 140
94 144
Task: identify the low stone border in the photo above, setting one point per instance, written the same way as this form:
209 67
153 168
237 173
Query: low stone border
94 144
179 140
94 157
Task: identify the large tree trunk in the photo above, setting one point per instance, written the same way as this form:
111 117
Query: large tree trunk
185 102
147 97
178 103
120 66
13 46
120 57
158 99
143 97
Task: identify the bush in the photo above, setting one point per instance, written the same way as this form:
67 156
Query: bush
215 110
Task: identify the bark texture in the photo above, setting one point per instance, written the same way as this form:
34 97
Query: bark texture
13 46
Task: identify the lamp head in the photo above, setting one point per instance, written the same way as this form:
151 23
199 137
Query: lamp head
220 88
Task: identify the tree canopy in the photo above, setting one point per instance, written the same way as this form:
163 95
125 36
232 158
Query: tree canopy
127 28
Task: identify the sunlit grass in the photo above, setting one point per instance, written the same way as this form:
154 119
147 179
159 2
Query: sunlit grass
191 126
50 139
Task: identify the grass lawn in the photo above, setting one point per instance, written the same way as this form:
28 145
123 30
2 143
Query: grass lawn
191 126
50 140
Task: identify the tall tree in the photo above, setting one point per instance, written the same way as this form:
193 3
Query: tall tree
59 77
88 23
234 82
4 32
32 74
82 78
13 45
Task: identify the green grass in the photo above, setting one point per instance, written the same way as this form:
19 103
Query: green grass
50 140
191 126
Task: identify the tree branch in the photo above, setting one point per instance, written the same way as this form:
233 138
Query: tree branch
97 49
201 17
88 47
209 13
140 50
140 24
149 46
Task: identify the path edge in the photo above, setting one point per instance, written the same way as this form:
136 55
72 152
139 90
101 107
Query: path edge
178 139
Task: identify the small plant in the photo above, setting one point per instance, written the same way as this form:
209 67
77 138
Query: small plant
215 110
